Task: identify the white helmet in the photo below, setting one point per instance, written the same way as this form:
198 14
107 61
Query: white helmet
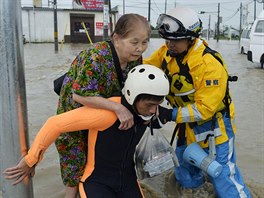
179 23
145 79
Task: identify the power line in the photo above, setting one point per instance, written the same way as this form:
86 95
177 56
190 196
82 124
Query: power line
156 6
228 18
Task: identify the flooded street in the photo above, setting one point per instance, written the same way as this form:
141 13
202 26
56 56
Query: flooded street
42 66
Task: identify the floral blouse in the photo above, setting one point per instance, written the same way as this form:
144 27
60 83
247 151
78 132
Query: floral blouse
92 73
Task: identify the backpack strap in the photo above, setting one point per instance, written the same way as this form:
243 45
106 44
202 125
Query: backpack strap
164 68
214 53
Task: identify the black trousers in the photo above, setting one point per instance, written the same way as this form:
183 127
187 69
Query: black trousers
98 190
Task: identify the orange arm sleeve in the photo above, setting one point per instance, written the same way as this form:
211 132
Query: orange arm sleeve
78 119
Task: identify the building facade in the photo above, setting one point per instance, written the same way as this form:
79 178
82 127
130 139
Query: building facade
38 25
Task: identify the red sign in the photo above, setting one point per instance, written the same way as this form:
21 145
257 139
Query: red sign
99 28
100 24
93 4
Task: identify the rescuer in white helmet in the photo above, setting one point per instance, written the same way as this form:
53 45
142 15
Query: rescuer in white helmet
110 169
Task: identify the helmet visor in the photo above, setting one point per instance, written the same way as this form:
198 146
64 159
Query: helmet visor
170 24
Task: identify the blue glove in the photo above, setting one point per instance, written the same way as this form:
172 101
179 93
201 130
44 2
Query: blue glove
174 113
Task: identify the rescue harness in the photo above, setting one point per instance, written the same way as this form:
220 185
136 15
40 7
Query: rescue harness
184 71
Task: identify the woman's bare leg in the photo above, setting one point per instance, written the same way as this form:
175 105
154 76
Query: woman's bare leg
71 192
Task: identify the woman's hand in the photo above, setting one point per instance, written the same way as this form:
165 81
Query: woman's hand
19 172
75 97
125 117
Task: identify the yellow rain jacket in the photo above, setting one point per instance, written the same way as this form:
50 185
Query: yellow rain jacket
198 87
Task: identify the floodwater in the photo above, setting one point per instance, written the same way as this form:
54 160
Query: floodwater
42 66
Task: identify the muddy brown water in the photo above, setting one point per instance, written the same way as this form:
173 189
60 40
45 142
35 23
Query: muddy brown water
42 66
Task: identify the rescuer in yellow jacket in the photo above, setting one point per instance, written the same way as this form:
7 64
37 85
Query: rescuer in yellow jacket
202 104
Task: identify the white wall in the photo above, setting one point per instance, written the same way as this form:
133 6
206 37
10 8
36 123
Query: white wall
38 25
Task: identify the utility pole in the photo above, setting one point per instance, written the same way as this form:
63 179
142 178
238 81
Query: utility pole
124 6
165 7
13 105
110 17
149 8
209 24
106 18
240 21
218 22
255 10
55 26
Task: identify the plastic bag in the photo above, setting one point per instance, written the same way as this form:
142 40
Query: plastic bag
154 155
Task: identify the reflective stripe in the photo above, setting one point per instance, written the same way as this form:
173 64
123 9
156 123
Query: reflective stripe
185 93
186 114
197 115
232 169
202 136
191 113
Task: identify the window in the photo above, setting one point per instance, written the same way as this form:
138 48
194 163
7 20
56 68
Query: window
248 33
244 33
78 28
260 27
